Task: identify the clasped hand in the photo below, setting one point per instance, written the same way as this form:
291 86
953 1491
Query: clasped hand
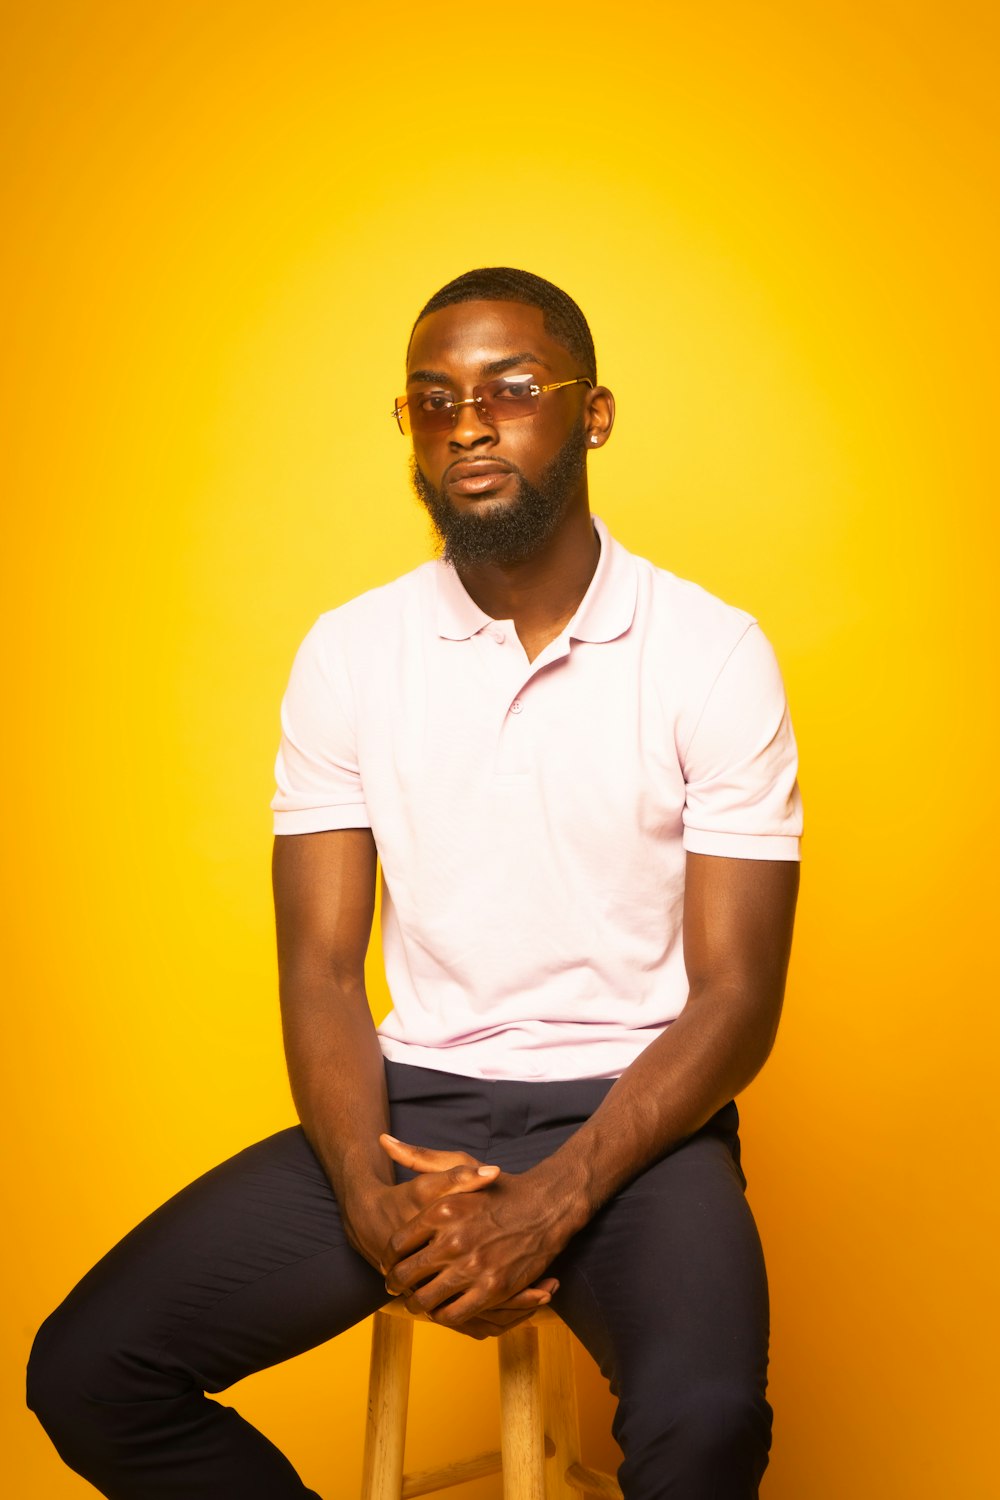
472 1254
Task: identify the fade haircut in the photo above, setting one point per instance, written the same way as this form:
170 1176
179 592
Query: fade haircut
562 318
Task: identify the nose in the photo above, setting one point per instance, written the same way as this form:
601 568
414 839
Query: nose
471 429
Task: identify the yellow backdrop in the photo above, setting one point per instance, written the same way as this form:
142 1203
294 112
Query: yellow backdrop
779 217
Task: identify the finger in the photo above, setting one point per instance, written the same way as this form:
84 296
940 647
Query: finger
456 1310
447 1297
434 1211
425 1259
483 1328
431 1297
497 1320
430 1186
528 1300
425 1280
440 1172
423 1158
403 1278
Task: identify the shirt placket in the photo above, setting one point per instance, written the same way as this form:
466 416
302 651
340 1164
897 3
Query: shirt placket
516 686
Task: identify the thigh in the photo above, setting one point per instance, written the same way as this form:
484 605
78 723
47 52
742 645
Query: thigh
667 1289
245 1267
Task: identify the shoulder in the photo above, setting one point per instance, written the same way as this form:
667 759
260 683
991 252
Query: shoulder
694 627
376 614
696 648
689 612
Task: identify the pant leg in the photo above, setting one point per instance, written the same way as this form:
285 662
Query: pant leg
667 1290
250 1265
243 1268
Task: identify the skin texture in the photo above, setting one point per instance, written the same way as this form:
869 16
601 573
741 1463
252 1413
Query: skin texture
467 343
466 1244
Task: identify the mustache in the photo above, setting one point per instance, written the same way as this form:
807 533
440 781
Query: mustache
493 463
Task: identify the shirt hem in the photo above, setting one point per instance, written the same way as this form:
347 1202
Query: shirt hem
742 845
322 819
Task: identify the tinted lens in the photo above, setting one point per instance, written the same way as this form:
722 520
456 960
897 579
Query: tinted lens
429 411
498 401
512 396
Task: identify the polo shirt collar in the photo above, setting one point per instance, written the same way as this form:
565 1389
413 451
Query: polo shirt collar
606 610
458 616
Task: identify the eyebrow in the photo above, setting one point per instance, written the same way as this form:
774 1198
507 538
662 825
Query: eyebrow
495 367
498 366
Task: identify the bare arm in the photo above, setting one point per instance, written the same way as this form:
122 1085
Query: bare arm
738 917
324 900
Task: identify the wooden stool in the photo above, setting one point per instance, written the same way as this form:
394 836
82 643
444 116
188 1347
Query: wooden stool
539 1430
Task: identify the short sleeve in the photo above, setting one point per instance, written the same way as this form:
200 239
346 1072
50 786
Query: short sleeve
317 771
740 767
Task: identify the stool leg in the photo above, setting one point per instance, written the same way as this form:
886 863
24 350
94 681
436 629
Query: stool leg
388 1393
522 1436
559 1408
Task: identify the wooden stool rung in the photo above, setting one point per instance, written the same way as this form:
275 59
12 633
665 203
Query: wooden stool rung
426 1481
592 1482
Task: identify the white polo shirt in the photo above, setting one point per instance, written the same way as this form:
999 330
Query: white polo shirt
532 818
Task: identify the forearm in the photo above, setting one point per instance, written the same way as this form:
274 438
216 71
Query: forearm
714 1049
738 919
337 1078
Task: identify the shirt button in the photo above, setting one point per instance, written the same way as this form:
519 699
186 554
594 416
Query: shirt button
498 636
516 706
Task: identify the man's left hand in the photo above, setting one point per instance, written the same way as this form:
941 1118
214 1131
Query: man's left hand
474 1262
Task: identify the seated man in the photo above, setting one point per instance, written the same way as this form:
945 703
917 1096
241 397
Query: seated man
578 774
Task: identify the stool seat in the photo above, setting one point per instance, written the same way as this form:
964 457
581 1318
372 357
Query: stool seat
539 1455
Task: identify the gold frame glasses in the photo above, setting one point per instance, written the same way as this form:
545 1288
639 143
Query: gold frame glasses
502 400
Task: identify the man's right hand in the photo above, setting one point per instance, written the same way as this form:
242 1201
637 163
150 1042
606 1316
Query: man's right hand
371 1222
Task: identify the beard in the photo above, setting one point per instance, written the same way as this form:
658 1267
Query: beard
508 533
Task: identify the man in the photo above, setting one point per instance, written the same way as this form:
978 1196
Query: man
578 775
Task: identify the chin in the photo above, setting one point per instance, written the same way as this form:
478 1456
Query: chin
501 530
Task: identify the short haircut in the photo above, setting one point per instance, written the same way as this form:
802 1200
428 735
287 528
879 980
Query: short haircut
562 318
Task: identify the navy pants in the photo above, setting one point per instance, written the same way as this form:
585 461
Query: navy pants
249 1265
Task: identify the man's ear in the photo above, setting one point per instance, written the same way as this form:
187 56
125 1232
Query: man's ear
598 416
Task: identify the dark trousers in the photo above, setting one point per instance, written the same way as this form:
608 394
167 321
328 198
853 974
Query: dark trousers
249 1265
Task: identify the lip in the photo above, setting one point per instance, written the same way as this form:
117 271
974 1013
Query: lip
469 477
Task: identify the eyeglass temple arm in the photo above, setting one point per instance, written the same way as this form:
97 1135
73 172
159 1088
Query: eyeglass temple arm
580 380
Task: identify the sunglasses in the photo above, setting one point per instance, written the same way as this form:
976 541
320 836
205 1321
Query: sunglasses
500 400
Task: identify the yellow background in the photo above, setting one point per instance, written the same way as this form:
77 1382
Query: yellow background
220 220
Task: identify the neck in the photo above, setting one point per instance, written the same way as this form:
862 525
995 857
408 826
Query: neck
542 593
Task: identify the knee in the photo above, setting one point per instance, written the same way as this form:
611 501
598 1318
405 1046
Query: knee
75 1377
723 1421
55 1388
